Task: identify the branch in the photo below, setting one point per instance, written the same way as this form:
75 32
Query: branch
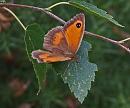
8 5
124 40
108 40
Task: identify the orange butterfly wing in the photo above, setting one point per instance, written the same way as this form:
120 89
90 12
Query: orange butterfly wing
55 41
62 43
48 57
56 45
74 31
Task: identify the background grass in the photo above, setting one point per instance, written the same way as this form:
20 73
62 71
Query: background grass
111 88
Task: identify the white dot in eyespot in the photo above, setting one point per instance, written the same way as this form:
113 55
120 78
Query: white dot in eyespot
78 25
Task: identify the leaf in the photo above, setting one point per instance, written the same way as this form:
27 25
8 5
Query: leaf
2 1
78 74
33 41
94 10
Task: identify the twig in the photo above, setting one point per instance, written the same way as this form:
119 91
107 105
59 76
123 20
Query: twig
10 5
59 3
124 40
63 22
123 34
15 17
108 40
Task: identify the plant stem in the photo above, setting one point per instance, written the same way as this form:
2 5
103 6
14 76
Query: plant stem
54 5
10 5
124 40
15 17
108 40
63 22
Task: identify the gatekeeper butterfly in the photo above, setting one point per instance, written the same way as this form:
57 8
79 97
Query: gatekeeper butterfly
62 42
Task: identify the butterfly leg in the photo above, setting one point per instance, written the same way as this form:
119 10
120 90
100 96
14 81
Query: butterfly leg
76 59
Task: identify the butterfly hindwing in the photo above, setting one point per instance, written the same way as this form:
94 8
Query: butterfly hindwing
55 41
46 56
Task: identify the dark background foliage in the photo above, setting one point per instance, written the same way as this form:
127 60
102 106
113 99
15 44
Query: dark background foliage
111 89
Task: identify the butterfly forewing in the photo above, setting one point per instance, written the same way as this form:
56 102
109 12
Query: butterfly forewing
74 31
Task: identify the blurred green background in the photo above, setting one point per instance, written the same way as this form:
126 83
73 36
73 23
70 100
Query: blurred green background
111 89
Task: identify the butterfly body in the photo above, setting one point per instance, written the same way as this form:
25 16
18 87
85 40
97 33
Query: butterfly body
62 42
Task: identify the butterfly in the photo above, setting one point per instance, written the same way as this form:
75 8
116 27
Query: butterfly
62 42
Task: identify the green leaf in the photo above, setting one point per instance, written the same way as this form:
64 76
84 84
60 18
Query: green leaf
78 74
33 41
2 1
94 10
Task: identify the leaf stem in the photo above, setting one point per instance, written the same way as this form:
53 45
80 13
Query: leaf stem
56 4
15 17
